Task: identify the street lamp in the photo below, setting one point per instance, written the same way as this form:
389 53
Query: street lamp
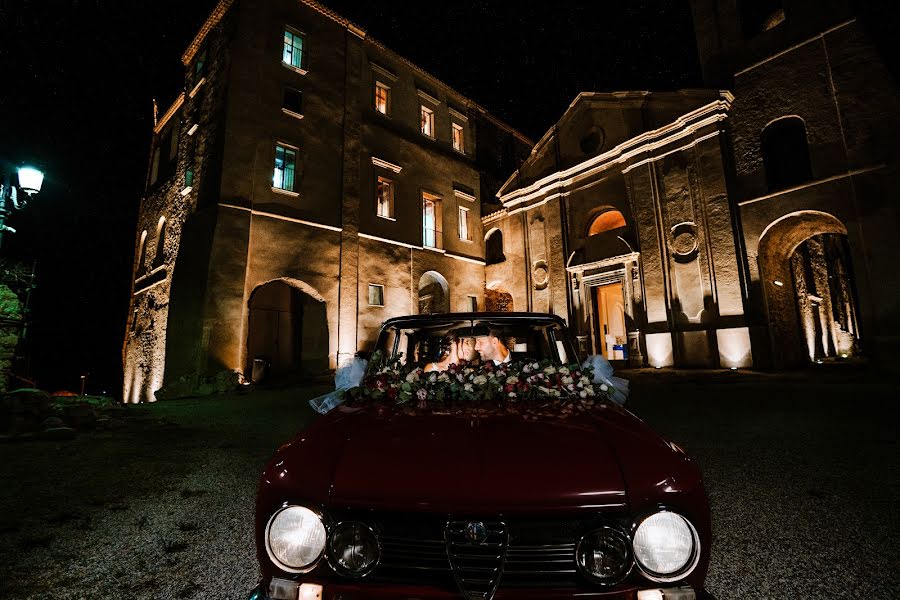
14 196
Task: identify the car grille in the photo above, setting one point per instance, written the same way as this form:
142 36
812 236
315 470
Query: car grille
522 553
477 565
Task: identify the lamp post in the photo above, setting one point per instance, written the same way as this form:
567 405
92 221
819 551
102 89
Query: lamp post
15 194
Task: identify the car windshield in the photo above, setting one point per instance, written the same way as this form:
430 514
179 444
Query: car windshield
418 341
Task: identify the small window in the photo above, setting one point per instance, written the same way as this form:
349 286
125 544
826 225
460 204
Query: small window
472 303
376 295
199 68
464 233
160 242
458 140
427 121
141 256
606 221
293 102
285 167
384 198
293 54
493 248
154 167
382 97
785 153
431 235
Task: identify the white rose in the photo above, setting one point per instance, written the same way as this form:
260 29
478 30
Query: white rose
604 387
583 394
564 370
567 380
468 387
413 376
512 379
549 370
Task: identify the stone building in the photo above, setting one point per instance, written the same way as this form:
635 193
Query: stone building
307 185
311 183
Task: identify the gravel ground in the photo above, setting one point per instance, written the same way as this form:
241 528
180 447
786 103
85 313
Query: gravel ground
802 476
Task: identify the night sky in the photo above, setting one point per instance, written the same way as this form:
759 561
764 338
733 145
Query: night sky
78 79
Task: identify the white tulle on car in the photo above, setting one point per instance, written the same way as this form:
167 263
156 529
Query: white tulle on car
348 376
603 374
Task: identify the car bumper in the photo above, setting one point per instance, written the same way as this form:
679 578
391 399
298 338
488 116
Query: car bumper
289 590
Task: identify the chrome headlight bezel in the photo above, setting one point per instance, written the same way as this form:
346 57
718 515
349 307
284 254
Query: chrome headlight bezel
336 565
692 561
627 566
278 562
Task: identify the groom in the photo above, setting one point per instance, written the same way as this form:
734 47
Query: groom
493 347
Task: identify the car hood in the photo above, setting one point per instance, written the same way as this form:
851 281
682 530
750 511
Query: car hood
382 459
457 464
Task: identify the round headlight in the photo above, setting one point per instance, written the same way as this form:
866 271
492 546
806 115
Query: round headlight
353 549
603 555
295 538
666 546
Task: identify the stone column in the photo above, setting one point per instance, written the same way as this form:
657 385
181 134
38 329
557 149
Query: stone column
348 299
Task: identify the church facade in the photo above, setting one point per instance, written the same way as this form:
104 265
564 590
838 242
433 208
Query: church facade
310 183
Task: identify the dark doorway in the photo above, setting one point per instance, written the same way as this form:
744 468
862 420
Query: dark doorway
288 332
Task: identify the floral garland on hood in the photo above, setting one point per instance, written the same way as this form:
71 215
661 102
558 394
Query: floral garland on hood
529 388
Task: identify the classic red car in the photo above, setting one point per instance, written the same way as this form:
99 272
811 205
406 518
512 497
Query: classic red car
403 501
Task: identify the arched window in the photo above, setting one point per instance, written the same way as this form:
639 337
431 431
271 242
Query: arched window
606 221
760 15
493 247
141 253
785 153
160 242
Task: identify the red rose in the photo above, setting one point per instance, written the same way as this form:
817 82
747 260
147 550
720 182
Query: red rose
523 387
392 393
509 387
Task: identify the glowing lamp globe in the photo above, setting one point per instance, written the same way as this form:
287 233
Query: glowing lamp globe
30 180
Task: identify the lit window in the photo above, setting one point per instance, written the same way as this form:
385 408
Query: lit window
293 50
285 166
458 140
199 66
606 221
376 295
472 303
293 102
464 223
427 121
430 233
384 198
382 97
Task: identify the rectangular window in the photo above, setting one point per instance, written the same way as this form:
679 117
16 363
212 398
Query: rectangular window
430 234
292 54
285 167
427 121
384 198
382 97
458 140
376 295
199 68
464 224
472 303
293 102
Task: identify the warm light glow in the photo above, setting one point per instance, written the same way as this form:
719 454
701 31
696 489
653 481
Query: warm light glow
778 283
650 595
30 180
607 221
664 544
734 348
844 355
659 350
310 591
734 368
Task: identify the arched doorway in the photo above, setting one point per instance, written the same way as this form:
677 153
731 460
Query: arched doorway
497 298
807 279
434 293
287 330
